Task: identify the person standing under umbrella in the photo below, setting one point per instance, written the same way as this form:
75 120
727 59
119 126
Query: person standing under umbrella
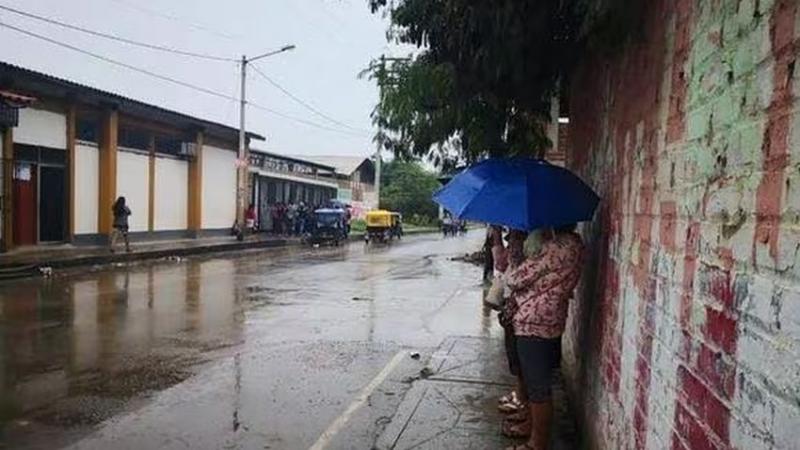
541 288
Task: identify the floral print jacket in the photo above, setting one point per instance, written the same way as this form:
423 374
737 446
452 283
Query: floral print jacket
542 286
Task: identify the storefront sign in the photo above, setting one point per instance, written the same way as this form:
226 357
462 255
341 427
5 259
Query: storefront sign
344 195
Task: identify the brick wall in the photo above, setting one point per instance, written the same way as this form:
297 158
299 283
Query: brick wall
685 333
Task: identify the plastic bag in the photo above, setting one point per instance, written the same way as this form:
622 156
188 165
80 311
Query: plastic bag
497 292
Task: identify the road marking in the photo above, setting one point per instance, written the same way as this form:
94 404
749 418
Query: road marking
362 397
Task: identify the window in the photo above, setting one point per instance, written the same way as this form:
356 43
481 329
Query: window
133 138
87 129
168 145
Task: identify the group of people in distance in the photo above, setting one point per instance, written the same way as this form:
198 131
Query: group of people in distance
534 276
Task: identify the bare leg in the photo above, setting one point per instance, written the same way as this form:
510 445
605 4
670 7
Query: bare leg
541 416
112 239
127 241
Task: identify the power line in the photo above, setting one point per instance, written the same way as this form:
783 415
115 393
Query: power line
301 102
195 26
112 37
307 122
172 80
117 63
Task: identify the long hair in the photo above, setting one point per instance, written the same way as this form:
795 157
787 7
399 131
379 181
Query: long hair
119 206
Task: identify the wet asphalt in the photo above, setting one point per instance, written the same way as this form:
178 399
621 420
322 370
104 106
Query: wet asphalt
262 349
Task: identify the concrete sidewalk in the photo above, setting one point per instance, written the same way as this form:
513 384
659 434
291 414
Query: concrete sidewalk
67 255
28 261
454 405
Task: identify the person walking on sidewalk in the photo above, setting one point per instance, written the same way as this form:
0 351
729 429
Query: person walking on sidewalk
541 289
120 225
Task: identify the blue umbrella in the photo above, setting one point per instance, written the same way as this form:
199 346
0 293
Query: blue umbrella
520 193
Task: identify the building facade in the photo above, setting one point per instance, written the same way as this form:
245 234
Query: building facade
355 178
277 179
75 149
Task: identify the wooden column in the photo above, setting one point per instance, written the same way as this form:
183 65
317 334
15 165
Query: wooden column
108 172
151 189
70 187
195 205
8 184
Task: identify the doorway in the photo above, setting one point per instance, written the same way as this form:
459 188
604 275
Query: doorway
52 200
39 195
25 192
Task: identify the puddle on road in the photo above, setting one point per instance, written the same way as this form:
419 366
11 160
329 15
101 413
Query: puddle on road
77 350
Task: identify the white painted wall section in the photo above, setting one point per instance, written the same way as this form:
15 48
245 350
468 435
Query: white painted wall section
40 127
87 160
219 188
133 175
172 185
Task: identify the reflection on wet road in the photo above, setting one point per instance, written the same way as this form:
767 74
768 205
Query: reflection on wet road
256 350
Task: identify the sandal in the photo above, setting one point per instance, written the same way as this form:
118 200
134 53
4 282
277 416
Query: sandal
509 403
509 408
511 397
520 416
515 430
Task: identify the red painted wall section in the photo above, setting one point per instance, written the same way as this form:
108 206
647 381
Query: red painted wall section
685 330
775 147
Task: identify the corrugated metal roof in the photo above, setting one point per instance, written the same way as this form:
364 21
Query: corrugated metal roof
345 165
296 159
36 83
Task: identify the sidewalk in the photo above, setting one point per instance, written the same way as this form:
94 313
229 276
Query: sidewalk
455 407
28 261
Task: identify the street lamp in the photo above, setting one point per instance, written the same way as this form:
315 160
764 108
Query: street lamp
242 154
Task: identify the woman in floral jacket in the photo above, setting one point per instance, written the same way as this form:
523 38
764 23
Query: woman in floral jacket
541 288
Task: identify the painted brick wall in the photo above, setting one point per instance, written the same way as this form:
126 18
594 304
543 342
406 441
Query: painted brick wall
685 333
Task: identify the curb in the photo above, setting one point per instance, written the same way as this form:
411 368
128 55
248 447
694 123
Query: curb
13 271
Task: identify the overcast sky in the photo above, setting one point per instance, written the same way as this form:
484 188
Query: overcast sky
335 40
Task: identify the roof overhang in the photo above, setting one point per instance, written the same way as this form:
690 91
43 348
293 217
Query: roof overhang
43 85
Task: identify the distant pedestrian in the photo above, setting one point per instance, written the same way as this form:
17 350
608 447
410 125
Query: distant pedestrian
302 217
120 225
250 218
275 213
348 218
291 218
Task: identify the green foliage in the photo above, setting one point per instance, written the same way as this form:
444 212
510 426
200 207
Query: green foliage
407 187
485 72
358 225
482 81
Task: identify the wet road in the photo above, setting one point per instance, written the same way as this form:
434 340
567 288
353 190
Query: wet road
265 349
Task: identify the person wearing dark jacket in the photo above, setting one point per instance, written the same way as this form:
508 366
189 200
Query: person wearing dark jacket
120 225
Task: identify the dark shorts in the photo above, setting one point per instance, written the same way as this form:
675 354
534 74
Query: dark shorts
511 351
539 360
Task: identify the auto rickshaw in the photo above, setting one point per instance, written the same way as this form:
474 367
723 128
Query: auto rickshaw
383 226
329 226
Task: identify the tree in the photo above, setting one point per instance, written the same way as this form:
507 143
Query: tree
483 80
485 72
407 187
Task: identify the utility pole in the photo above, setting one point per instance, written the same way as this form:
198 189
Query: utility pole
378 164
381 139
242 154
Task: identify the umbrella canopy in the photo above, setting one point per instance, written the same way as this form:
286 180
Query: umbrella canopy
520 193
